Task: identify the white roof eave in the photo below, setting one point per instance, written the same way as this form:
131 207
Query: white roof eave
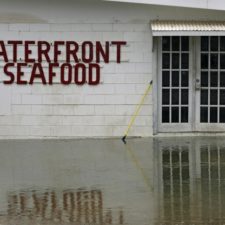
198 4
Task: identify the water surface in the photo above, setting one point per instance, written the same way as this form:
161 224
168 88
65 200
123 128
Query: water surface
100 182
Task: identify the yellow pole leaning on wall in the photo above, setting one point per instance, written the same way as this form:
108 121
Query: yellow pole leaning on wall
136 112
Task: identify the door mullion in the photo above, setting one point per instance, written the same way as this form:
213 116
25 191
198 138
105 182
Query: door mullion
209 76
218 83
195 75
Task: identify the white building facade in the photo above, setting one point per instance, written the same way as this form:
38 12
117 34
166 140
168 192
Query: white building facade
185 64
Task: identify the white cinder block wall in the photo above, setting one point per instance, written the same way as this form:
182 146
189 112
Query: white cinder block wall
38 111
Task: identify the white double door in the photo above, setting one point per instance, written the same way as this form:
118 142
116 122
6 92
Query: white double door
191 84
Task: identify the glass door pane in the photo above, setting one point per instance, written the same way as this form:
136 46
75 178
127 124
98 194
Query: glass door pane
212 85
175 80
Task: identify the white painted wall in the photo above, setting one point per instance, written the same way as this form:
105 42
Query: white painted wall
70 111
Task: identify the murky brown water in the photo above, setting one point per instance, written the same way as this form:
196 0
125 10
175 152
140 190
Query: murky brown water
101 182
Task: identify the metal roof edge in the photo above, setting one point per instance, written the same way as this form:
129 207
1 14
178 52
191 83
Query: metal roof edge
186 27
188 33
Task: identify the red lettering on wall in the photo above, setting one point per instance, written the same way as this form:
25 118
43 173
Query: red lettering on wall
72 48
20 73
15 48
102 52
66 68
43 51
9 73
51 73
37 72
118 44
70 61
3 52
80 69
92 80
28 51
57 52
87 52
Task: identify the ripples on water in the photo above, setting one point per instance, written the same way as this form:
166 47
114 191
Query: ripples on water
159 181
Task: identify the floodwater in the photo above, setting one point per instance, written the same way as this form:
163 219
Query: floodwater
154 181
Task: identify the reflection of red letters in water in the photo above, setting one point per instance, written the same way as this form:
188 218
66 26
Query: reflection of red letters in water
80 206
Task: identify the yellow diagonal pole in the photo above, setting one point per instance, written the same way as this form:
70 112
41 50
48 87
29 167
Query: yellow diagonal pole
136 112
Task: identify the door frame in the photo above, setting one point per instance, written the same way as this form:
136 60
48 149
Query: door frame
194 94
171 127
204 127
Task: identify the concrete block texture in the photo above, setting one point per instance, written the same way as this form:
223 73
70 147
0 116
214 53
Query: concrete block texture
75 111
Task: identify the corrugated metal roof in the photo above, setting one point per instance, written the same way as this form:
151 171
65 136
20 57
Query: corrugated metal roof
187 27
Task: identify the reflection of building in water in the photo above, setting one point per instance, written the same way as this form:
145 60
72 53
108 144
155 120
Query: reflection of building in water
212 183
79 207
192 176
